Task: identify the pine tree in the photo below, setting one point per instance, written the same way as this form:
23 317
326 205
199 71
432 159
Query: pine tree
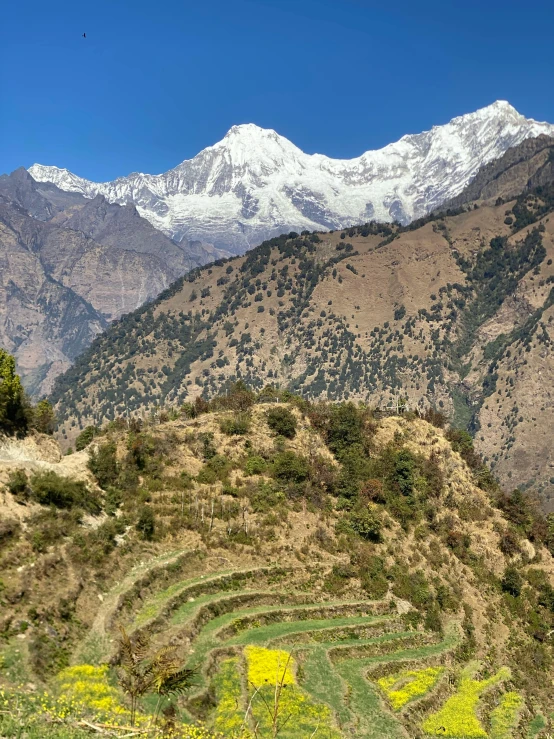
44 419
14 407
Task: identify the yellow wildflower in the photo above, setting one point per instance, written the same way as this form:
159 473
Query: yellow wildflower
457 716
408 685
86 687
505 716
294 710
269 666
229 716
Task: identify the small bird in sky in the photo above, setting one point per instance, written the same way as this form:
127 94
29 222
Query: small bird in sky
84 35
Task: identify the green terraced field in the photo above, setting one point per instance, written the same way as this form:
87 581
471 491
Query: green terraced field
246 631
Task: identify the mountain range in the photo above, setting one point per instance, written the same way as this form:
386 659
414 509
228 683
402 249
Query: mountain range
454 311
429 309
255 184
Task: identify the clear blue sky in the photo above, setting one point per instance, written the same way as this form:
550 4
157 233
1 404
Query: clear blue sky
155 82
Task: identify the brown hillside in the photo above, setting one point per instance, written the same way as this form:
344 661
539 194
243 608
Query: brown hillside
431 312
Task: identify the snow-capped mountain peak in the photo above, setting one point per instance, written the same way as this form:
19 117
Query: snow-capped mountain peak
254 183
249 132
248 146
62 178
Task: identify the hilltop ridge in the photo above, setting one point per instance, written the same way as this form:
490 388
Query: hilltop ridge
403 552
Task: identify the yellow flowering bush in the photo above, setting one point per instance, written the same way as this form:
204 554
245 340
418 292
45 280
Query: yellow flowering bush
408 685
298 715
505 716
457 717
269 666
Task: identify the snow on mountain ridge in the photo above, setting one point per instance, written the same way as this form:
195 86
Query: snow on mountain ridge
254 183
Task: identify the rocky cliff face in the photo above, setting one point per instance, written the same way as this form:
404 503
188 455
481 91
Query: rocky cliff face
255 184
69 266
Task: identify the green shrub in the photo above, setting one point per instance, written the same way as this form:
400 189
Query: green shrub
113 500
403 509
402 475
103 464
100 542
15 409
433 477
365 522
411 586
238 398
509 543
52 525
255 466
239 425
462 442
146 523
432 621
128 478
44 419
216 468
207 475
337 580
264 499
402 472
373 576
291 467
48 654
517 509
85 437
143 452
49 488
446 598
18 484
282 422
345 428
38 542
208 446
356 467
512 582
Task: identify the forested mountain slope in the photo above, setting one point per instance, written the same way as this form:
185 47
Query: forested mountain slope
455 312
